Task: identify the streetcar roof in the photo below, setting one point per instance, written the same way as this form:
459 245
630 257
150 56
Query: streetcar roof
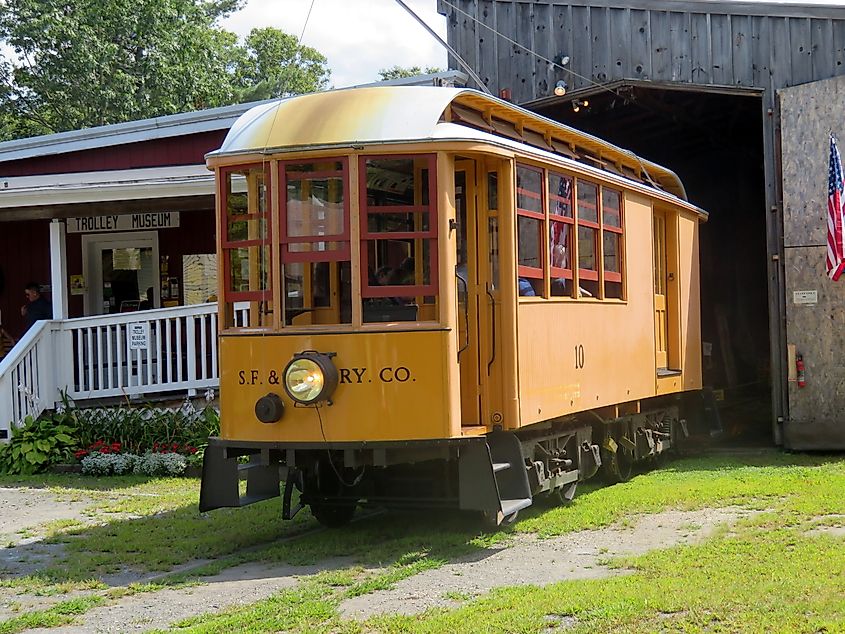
397 114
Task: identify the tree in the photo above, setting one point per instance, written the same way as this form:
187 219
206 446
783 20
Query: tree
85 63
274 64
398 72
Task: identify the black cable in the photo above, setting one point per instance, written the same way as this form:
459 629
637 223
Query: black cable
329 453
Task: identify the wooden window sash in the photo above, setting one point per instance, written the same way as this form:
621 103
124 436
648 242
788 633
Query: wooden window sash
227 246
417 290
341 254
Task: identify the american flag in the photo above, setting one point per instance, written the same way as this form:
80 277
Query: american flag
835 214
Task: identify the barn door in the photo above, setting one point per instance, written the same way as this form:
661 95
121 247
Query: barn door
661 317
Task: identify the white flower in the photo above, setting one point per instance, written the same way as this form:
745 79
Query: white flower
209 395
188 407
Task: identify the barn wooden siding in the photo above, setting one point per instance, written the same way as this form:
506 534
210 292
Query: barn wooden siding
707 43
704 45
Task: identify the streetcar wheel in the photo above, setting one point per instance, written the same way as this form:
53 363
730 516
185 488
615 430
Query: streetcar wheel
332 515
616 466
565 493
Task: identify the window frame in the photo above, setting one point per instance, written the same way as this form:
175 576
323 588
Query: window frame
556 272
530 272
589 274
333 255
226 245
613 276
431 234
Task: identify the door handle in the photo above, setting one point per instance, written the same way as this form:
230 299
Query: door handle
489 291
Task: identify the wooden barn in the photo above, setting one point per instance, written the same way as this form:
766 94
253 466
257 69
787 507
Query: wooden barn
739 99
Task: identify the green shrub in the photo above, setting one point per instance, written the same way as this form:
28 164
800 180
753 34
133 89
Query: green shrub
55 437
141 429
38 444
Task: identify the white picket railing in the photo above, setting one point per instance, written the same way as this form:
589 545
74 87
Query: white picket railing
26 374
131 355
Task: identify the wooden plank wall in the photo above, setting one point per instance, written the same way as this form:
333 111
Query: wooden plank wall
690 42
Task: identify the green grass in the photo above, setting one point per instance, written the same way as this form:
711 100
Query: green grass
146 525
60 614
756 481
766 574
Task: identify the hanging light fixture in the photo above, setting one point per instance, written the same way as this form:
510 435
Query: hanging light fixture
577 104
560 88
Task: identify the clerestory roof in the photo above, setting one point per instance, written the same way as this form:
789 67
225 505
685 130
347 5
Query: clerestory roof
399 114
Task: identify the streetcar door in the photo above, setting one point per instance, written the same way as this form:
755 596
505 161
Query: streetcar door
466 281
479 300
661 317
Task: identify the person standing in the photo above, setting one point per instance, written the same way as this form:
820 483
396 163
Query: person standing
36 308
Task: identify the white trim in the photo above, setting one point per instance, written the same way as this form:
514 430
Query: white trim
92 267
87 187
58 269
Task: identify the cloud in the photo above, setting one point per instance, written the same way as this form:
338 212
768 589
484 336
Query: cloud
358 37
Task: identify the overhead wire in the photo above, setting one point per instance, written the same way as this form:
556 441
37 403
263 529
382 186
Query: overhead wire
268 200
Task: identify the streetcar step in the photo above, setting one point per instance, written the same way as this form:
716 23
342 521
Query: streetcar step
512 506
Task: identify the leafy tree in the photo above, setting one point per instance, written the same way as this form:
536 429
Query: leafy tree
85 63
398 72
274 64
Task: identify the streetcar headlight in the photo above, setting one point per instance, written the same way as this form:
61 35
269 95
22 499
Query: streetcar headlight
310 377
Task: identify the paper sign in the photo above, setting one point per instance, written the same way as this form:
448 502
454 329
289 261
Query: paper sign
805 297
139 336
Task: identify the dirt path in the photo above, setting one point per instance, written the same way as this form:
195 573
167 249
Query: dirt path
530 560
524 559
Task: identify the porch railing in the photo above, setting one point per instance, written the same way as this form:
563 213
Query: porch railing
131 355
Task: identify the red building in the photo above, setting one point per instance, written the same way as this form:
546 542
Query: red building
105 217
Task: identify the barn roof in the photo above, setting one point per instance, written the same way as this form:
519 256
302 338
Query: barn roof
398 114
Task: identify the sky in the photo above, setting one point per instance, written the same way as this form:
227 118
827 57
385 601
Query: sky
358 37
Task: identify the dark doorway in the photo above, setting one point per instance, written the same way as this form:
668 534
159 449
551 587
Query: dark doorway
714 142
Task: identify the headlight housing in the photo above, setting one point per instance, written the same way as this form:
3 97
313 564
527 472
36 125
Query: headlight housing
310 377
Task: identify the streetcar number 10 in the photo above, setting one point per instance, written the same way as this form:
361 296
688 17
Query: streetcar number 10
579 357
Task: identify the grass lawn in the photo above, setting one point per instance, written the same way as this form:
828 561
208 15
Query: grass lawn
782 570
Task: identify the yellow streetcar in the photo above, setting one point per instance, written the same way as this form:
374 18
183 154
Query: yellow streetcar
430 297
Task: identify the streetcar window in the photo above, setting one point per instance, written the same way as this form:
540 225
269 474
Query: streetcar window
315 247
245 248
611 204
529 226
493 227
492 190
398 238
588 232
561 223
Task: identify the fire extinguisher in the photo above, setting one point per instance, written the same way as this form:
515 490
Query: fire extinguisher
799 366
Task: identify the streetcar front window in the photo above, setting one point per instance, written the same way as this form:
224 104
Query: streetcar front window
398 239
315 247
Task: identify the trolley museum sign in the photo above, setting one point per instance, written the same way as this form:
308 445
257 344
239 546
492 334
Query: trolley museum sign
124 222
